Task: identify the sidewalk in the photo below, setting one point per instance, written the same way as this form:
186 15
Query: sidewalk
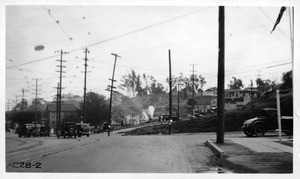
255 155
264 144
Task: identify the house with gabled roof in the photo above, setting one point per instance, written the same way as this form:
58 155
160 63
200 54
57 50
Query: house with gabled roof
235 98
204 104
67 109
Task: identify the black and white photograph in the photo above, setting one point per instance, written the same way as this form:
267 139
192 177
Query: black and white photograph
159 88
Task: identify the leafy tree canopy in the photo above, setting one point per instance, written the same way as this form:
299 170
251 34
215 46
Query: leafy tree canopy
236 83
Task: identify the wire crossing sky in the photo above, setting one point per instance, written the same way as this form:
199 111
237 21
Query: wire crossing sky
142 35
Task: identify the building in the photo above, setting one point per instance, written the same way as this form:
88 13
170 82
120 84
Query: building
205 104
66 111
210 92
237 98
234 98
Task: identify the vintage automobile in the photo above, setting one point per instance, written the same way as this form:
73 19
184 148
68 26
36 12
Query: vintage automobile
28 130
68 129
83 129
267 121
105 127
44 131
167 117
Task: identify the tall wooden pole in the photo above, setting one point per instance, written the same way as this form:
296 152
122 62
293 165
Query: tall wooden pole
84 88
170 94
291 15
57 110
178 107
111 92
221 72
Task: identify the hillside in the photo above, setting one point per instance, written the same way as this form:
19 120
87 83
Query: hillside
233 118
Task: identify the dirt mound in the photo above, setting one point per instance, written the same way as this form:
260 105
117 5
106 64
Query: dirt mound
233 118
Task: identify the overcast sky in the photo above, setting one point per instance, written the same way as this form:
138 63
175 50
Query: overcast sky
142 36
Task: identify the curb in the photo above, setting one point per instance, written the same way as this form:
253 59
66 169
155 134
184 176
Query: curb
219 152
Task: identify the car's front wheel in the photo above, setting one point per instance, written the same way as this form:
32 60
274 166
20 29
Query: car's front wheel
248 133
259 130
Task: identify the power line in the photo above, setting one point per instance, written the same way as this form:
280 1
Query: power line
57 22
21 71
119 36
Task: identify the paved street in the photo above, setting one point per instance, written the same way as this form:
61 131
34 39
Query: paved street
179 153
99 153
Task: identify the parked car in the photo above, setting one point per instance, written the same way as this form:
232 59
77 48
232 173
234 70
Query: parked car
68 129
174 118
83 129
45 131
105 127
27 130
95 129
23 130
267 121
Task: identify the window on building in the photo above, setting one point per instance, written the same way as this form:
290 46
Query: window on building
53 114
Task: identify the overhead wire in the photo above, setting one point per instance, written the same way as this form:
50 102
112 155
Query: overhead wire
21 71
117 37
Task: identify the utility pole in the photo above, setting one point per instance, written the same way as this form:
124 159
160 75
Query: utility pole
16 102
291 17
170 93
178 109
84 88
221 73
60 84
251 89
111 91
36 100
22 99
23 91
193 88
57 108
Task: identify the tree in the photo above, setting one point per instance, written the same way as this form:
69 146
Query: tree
139 89
38 102
25 117
287 80
236 83
96 108
199 82
157 89
263 85
118 114
192 102
150 84
132 83
22 105
186 84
